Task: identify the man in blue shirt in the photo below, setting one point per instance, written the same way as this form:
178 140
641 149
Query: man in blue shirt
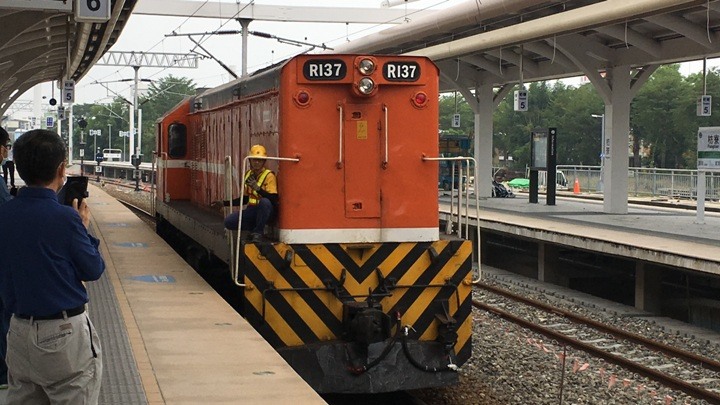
4 317
53 352
4 151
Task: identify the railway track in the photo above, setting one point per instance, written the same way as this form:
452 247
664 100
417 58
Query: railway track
678 369
138 202
145 216
390 398
693 374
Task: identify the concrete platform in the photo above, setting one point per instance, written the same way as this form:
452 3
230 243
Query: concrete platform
167 337
660 235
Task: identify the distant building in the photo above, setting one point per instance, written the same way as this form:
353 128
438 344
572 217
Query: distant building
11 125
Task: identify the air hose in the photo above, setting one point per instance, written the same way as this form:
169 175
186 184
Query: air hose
411 359
386 350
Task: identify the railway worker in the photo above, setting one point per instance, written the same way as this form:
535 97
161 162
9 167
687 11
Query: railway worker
260 195
5 316
53 351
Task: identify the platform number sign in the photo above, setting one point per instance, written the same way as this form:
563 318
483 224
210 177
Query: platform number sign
92 10
456 121
708 149
68 91
521 100
49 122
704 106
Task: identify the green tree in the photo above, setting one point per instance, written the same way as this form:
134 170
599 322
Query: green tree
511 134
451 104
161 97
689 122
660 117
579 133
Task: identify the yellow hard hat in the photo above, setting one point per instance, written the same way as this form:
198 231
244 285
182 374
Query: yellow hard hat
258 150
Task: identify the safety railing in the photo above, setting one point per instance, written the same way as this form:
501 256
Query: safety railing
649 181
163 192
463 194
153 181
235 256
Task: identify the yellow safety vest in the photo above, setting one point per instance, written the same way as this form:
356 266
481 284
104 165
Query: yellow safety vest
253 196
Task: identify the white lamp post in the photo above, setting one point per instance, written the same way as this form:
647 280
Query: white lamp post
602 150
95 133
124 134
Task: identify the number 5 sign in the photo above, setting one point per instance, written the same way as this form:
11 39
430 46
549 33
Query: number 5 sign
68 91
92 10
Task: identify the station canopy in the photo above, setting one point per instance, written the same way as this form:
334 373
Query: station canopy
487 42
499 42
40 41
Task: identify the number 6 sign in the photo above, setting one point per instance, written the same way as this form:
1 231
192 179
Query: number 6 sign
92 10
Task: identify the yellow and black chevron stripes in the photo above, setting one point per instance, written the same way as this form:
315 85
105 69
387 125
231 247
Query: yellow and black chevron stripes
295 293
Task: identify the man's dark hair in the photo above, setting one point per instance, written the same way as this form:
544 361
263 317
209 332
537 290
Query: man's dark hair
4 136
38 154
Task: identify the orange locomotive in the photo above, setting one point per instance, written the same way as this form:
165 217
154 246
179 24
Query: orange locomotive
355 288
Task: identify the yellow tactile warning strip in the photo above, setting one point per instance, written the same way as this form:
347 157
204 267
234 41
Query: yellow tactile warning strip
190 345
149 383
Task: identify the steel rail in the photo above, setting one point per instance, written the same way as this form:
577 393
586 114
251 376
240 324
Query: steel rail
667 380
662 378
693 358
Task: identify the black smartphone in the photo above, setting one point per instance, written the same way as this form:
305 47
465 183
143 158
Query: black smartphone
75 187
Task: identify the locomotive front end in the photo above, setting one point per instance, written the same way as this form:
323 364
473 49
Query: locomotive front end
360 293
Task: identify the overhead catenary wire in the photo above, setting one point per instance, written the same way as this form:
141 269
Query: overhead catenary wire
163 39
274 57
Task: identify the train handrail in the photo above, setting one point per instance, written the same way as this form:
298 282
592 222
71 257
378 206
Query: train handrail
227 210
387 136
165 165
153 188
246 163
340 154
467 159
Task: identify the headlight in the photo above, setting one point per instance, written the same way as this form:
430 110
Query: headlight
366 85
366 66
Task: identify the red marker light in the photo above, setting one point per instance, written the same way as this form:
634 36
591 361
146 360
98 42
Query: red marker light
303 97
420 99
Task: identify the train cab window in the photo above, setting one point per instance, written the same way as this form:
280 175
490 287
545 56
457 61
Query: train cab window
177 140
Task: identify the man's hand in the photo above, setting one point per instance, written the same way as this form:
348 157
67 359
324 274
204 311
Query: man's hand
217 204
252 183
83 210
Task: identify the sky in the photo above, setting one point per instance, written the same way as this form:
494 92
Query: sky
148 34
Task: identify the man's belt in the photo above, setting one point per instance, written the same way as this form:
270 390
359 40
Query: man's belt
60 315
